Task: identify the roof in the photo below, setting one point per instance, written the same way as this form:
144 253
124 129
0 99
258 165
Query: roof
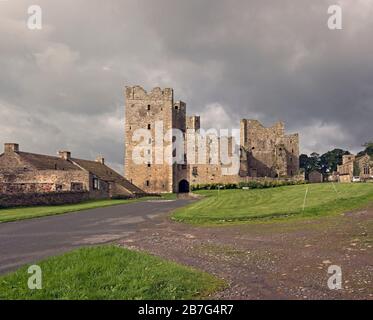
45 162
107 174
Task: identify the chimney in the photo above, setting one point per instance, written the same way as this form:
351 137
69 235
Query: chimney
66 155
11 147
100 159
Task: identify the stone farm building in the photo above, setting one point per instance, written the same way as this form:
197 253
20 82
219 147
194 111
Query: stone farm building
262 152
355 166
29 173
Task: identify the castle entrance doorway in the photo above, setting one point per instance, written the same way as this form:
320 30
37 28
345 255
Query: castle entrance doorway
183 186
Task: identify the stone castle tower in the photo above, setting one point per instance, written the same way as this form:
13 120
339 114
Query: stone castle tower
143 111
262 152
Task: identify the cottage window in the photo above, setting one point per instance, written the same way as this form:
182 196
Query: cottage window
96 184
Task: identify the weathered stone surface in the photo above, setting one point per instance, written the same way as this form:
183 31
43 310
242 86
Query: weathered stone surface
263 152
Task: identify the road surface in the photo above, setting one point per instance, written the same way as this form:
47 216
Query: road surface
27 241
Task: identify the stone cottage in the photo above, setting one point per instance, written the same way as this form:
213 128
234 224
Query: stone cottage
29 173
353 166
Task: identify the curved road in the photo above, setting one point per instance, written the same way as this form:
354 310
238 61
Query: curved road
28 241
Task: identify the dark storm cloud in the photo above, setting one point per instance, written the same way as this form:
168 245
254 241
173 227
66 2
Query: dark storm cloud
271 60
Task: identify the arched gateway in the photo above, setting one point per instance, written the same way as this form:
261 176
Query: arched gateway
184 186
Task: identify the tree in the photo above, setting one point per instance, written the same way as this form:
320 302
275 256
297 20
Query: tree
368 149
325 163
329 160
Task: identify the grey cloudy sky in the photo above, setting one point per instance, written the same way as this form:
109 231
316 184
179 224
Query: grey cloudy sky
62 87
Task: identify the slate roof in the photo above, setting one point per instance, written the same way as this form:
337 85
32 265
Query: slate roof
44 162
107 174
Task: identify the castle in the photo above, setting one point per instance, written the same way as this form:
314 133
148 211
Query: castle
261 151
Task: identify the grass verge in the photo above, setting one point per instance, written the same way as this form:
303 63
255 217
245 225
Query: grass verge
110 273
21 213
240 206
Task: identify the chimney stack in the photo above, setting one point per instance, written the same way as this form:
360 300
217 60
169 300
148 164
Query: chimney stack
11 147
100 159
66 155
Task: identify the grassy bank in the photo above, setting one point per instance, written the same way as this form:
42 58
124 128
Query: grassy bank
237 206
14 214
109 272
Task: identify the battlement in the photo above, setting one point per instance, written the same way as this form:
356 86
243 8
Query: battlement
139 93
193 122
255 124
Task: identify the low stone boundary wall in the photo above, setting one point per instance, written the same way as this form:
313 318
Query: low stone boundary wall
35 199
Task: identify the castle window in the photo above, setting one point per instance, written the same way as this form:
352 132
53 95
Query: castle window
148 107
176 108
195 171
147 183
149 126
130 128
253 148
291 160
149 165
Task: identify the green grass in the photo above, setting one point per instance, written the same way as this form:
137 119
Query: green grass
109 272
14 214
237 206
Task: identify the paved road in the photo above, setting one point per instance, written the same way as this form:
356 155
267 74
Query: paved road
27 241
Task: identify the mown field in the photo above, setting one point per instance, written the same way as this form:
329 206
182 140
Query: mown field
110 272
311 200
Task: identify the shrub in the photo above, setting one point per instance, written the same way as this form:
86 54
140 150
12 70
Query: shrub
253 184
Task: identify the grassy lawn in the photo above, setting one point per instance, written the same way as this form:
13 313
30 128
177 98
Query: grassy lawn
14 214
109 272
235 206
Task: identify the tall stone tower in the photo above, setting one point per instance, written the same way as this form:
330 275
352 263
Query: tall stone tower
144 111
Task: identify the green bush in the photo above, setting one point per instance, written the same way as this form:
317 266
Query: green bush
254 184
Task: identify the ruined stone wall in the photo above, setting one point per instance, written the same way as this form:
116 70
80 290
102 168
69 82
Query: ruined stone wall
142 110
268 152
213 169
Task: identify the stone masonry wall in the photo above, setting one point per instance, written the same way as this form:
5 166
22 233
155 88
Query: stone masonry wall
34 199
142 111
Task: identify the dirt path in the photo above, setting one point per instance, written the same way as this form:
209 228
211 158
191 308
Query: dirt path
279 260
